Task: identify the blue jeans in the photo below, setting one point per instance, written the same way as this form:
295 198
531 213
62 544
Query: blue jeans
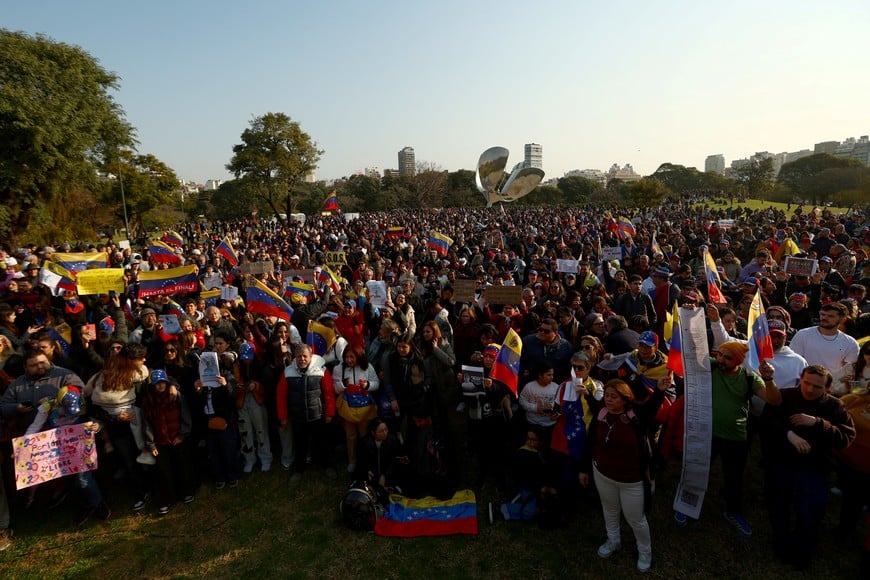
87 486
803 493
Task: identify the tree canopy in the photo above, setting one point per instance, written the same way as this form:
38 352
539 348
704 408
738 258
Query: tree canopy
58 121
274 156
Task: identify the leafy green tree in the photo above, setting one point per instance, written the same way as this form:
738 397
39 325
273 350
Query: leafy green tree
147 183
648 192
578 190
274 156
805 177
58 121
756 176
544 195
679 178
366 190
462 191
233 200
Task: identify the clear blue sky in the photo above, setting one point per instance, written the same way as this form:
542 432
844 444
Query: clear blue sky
594 83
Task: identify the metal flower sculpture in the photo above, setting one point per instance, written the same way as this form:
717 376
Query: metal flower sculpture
490 175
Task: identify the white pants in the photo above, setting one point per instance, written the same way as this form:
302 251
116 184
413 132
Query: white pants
254 432
627 498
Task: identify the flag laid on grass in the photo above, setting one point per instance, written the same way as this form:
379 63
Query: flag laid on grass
428 516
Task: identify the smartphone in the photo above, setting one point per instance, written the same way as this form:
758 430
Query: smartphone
112 294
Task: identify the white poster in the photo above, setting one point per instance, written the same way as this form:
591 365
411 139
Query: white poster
170 324
611 254
568 266
699 414
209 370
229 293
377 293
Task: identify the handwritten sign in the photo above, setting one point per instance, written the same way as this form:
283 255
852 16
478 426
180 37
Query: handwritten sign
52 454
464 290
800 266
610 253
569 266
170 323
100 281
336 258
504 294
229 293
263 267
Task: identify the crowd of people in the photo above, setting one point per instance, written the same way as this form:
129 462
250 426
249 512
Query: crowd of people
406 389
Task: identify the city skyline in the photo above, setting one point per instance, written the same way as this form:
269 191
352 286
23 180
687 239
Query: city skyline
627 83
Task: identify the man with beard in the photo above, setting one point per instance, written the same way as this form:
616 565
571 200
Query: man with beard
41 381
827 346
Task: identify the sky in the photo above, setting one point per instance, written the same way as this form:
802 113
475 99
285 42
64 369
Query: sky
595 83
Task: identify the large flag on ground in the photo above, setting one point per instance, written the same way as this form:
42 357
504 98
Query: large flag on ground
78 261
163 253
57 278
168 282
428 516
330 203
506 367
675 348
439 242
172 238
226 250
261 299
714 284
760 345
329 277
320 337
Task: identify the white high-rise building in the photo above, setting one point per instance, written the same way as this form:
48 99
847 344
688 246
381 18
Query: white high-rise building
715 164
407 161
534 156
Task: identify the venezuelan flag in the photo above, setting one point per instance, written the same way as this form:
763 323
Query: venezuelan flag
175 308
622 228
675 348
167 282
57 277
261 300
211 297
78 261
654 246
62 333
760 345
439 242
107 325
329 277
787 248
162 253
172 238
319 337
330 203
714 284
396 232
506 368
226 250
428 516
301 288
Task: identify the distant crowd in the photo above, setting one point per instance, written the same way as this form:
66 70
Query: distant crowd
392 362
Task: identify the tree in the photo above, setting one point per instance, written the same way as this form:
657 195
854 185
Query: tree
648 192
462 191
147 183
274 156
802 177
578 190
544 195
679 178
233 200
58 121
756 176
429 185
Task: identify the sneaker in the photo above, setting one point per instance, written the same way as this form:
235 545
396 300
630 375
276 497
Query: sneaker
681 519
739 524
351 467
146 458
286 466
644 562
295 478
5 538
249 467
265 467
220 485
234 484
188 499
57 499
608 548
163 510
139 505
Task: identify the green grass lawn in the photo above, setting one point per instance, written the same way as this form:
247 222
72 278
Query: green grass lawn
755 204
265 528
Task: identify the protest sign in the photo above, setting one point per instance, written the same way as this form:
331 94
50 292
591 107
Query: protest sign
263 267
568 266
170 323
610 254
211 281
54 453
377 293
800 266
464 290
209 370
100 281
229 293
504 294
336 258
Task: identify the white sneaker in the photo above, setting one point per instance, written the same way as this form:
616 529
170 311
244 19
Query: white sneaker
644 562
249 467
608 548
146 458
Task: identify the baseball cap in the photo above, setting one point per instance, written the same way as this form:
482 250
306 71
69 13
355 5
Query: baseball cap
776 326
157 376
648 338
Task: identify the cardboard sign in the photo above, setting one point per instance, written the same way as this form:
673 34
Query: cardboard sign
229 293
800 266
336 258
212 281
504 294
567 266
100 281
465 290
307 276
52 454
609 253
263 267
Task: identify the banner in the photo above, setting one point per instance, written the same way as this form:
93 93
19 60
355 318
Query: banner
100 281
698 415
51 454
168 282
264 267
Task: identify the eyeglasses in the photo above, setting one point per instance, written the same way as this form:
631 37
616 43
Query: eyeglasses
579 367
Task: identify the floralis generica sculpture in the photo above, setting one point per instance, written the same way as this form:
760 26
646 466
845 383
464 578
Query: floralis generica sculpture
496 184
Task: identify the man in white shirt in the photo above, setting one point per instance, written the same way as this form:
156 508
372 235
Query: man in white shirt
826 345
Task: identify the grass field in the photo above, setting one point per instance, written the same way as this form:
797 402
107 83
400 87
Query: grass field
266 528
755 204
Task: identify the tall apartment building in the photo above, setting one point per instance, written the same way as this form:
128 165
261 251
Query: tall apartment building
407 161
715 164
534 156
